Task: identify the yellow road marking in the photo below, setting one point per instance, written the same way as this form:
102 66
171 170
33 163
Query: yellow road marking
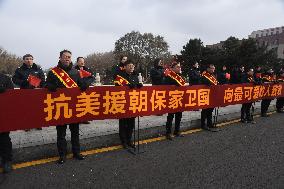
112 148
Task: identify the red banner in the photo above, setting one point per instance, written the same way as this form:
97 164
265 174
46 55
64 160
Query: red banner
33 108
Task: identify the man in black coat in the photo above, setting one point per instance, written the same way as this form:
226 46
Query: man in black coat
223 76
53 82
28 69
157 73
267 77
174 78
117 69
237 74
127 77
208 78
23 75
81 66
5 140
194 74
246 116
280 100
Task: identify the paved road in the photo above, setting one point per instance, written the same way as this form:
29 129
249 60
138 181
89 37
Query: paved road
239 156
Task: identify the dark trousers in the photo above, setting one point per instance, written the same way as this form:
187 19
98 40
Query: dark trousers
126 126
5 147
279 103
245 111
264 105
206 114
61 140
170 117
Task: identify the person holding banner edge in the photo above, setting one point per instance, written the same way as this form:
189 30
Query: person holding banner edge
29 76
174 77
267 77
246 115
65 76
126 77
86 74
208 78
280 100
5 140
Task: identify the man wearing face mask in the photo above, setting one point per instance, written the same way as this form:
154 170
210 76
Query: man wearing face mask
5 140
194 74
65 76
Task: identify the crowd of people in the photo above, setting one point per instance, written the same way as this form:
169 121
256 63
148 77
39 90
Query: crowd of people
67 75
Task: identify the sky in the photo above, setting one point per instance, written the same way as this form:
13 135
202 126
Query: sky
45 27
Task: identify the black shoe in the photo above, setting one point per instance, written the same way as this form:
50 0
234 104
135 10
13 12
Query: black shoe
131 145
205 128
214 129
78 157
264 115
243 121
169 137
251 121
178 134
38 128
7 166
62 159
125 146
27 130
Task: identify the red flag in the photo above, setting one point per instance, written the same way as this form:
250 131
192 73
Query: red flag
258 75
34 81
228 76
84 73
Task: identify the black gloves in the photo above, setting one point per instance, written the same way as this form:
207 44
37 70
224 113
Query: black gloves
25 83
2 89
84 86
131 85
51 88
139 85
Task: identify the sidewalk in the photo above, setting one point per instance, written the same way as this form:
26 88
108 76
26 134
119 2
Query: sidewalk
40 143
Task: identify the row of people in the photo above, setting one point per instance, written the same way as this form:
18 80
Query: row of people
65 75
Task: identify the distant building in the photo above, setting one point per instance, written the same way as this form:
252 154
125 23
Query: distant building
272 37
216 46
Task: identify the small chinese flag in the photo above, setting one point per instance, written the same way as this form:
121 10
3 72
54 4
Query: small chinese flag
258 75
228 76
34 81
84 73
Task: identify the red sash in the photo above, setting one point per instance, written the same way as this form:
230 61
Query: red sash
268 78
64 77
120 81
250 79
280 79
210 77
176 77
